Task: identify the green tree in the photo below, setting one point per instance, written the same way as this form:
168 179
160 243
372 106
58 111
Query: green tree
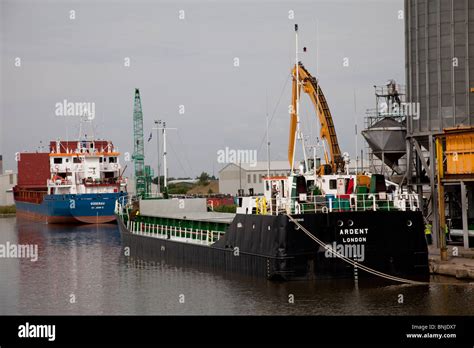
203 178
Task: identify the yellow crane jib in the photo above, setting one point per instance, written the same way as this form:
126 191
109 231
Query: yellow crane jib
334 160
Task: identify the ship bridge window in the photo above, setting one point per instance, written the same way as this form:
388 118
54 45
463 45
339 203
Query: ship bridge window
301 185
332 184
100 159
112 159
76 160
58 160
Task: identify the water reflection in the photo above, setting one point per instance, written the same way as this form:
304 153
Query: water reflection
82 270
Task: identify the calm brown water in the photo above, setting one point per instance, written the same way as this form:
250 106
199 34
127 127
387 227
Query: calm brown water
83 265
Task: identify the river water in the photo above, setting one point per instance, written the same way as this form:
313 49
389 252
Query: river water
81 270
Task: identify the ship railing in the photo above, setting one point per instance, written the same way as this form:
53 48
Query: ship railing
154 195
357 202
55 183
381 201
188 235
124 204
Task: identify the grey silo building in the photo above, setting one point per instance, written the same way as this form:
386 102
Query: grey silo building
439 56
439 39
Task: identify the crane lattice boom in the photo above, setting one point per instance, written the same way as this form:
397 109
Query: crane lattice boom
138 146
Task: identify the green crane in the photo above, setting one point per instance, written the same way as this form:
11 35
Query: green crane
138 147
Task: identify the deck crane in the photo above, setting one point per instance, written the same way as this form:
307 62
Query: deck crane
334 160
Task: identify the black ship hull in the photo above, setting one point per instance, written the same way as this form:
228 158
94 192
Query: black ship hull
273 247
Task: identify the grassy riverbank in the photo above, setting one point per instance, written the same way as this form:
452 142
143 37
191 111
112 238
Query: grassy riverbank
7 210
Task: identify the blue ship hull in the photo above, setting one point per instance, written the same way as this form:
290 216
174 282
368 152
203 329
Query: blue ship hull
69 208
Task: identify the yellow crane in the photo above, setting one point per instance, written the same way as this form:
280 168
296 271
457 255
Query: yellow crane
334 160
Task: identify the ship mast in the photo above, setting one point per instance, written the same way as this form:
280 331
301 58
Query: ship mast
165 163
85 119
299 133
165 168
297 97
268 140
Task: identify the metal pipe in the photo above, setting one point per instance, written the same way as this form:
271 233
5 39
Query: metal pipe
464 208
434 201
441 208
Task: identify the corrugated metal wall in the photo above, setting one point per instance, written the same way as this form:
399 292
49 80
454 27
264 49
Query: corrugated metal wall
439 40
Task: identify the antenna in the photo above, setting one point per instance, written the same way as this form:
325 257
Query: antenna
355 132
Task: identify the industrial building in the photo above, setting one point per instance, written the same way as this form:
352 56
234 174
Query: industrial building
422 135
8 179
245 176
439 39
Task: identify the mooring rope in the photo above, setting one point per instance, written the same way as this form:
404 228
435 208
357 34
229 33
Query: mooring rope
352 262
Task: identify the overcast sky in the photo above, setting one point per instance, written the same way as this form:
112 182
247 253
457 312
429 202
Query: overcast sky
190 62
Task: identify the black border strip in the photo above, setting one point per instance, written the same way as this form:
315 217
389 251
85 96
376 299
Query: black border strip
137 330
